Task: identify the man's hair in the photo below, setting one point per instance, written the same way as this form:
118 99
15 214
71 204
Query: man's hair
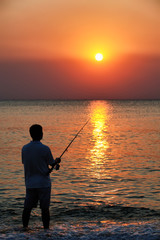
36 132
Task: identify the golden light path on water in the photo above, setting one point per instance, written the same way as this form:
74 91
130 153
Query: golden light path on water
99 120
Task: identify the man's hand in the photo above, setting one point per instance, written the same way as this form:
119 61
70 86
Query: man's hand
55 165
57 160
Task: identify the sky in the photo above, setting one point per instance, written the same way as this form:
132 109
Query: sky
48 48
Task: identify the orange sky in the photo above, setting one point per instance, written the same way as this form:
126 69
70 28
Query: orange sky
66 31
78 29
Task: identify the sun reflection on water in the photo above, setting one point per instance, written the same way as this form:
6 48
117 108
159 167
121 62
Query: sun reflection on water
99 120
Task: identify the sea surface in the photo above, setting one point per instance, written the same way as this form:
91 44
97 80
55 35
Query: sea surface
108 185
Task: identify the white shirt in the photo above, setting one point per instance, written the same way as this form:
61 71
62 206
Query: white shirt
36 157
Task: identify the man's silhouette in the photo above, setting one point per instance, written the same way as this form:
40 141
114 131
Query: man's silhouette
37 158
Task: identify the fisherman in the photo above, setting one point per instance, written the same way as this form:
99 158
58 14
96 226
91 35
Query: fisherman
37 158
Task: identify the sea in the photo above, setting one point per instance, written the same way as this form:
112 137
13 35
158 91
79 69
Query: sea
108 184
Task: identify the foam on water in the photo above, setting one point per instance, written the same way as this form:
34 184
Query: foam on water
87 231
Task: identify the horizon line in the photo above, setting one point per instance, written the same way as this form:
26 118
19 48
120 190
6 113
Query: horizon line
83 99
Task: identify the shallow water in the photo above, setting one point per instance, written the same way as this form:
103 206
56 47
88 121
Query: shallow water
110 174
88 231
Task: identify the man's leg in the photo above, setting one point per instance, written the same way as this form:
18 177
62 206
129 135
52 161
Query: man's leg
45 218
26 216
31 201
44 196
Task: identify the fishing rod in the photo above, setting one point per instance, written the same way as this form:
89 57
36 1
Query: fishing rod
57 165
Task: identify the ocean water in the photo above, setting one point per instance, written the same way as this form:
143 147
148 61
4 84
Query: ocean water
108 185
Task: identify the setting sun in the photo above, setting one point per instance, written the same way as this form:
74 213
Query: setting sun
99 57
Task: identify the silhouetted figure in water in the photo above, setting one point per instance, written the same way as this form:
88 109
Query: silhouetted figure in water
37 158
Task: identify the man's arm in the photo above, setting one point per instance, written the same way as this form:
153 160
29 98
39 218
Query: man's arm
56 163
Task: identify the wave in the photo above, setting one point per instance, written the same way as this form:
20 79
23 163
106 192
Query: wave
105 212
60 212
89 222
86 231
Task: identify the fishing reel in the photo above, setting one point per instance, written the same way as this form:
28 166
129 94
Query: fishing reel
57 166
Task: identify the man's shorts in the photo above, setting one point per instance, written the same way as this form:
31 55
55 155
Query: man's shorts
33 195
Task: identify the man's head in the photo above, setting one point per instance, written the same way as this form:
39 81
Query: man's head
36 132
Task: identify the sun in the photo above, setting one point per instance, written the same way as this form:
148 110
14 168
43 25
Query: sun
99 57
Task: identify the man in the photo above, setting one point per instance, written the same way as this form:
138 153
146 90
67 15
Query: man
37 158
